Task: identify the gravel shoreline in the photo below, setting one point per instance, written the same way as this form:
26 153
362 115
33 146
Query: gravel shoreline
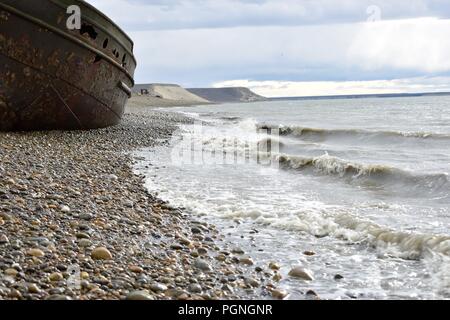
76 223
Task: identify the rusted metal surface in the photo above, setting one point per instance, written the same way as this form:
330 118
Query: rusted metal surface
55 78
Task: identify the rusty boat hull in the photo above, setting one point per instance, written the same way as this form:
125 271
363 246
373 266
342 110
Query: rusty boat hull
54 78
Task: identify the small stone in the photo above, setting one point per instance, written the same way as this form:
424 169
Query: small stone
251 282
174 293
86 216
58 297
246 261
232 278
139 295
15 294
64 209
84 227
309 253
136 269
274 266
196 230
56 291
82 235
183 296
227 288
158 287
311 293
237 251
128 203
5 216
102 280
84 243
221 257
301 273
202 265
277 277
338 277
38 253
176 246
33 288
84 275
61 267
279 294
202 251
101 253
184 241
11 272
84 284
195 288
55 277
3 239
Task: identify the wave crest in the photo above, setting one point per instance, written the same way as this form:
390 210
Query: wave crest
355 133
330 165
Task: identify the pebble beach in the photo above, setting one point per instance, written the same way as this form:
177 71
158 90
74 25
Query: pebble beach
77 224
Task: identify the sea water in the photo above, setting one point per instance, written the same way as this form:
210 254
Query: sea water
362 183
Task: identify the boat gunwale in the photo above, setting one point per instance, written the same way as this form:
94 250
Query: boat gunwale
97 11
67 36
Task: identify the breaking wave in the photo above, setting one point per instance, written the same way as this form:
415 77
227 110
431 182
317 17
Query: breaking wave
305 132
410 245
321 222
330 165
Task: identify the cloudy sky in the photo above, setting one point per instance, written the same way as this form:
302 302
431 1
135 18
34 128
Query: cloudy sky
290 47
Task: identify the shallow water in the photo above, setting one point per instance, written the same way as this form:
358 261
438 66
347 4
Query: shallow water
363 183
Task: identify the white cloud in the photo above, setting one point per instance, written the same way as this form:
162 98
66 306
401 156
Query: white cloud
196 43
389 49
320 88
185 14
326 88
417 44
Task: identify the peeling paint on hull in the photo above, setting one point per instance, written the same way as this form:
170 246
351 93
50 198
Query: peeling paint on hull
54 78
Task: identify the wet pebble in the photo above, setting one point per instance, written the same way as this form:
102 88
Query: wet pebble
55 277
202 265
158 287
64 209
195 288
101 253
279 294
84 243
33 288
338 277
274 266
136 269
36 253
3 239
301 273
58 297
246 261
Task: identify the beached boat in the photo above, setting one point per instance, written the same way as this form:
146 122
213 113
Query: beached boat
52 77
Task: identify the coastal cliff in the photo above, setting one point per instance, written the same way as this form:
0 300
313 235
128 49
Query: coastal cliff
171 95
224 95
163 95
